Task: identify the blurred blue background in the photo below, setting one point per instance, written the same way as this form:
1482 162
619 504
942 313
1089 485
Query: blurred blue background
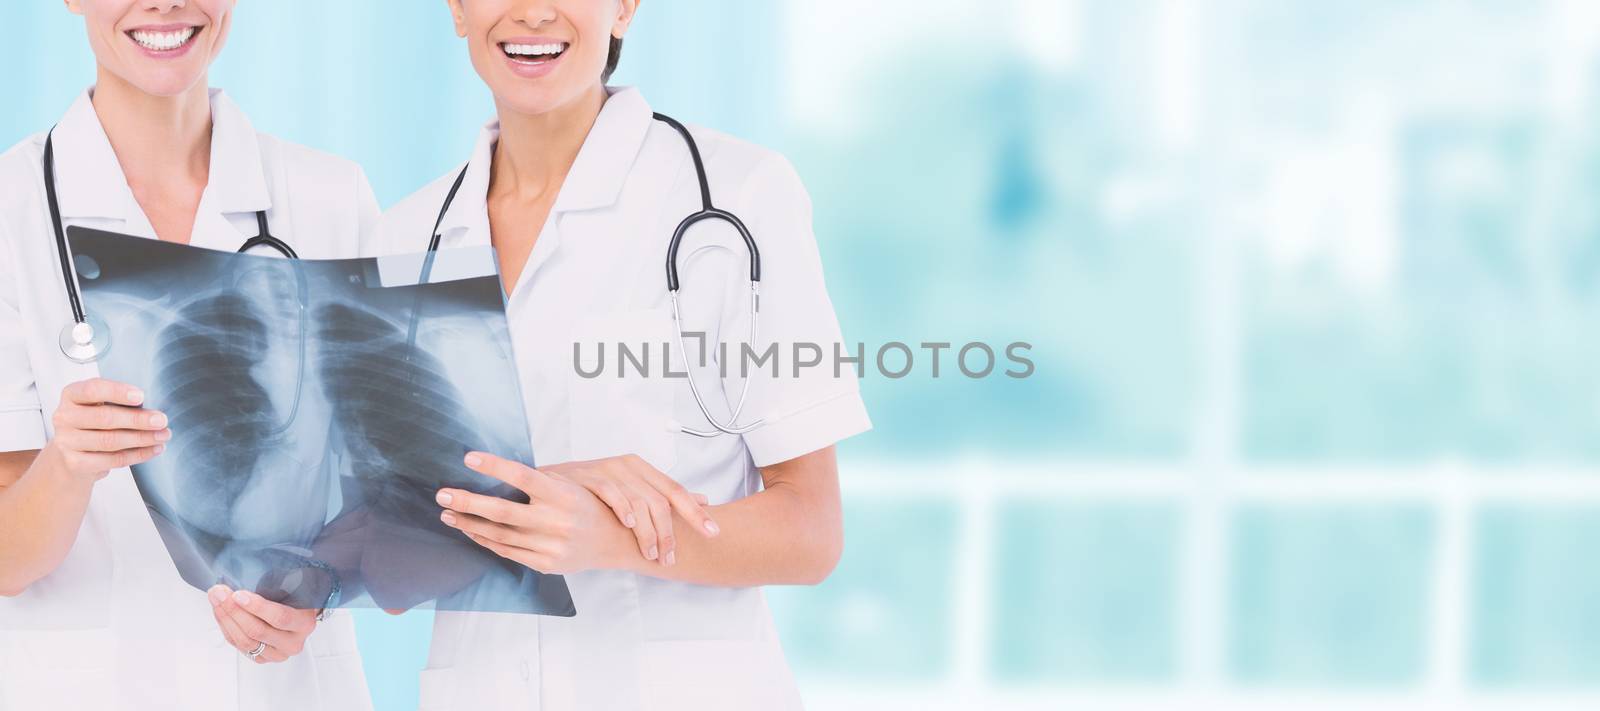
1311 287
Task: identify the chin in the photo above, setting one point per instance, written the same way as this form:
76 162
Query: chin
532 97
530 103
525 98
167 83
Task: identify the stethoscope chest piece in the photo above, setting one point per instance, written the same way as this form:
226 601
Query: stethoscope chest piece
86 341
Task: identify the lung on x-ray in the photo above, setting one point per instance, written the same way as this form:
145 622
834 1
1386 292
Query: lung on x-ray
316 408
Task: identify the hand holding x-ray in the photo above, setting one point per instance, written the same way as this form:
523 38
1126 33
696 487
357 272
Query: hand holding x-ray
316 408
568 530
100 426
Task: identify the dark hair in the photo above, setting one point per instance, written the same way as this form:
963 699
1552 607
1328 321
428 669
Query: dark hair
613 58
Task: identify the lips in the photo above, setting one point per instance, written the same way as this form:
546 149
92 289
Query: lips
533 57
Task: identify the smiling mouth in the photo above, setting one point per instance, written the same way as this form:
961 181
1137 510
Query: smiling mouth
164 41
534 53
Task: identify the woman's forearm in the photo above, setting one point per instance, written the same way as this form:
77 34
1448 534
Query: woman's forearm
790 533
99 427
41 511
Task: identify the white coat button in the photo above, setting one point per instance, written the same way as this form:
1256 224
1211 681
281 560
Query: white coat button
527 671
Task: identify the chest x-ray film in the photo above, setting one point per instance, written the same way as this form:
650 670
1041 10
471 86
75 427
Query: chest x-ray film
316 409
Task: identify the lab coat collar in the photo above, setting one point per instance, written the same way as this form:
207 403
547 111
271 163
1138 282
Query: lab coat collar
91 184
470 210
238 179
89 180
608 153
596 178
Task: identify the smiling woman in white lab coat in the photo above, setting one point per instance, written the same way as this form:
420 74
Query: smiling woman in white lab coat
579 190
93 614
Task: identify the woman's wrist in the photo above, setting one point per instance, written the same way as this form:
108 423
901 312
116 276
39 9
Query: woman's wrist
51 467
622 551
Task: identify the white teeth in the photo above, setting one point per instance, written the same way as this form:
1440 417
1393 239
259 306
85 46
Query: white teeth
535 50
163 41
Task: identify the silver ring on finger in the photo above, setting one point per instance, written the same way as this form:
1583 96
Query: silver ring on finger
255 653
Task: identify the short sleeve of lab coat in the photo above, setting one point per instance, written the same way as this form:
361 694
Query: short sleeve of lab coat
804 408
21 417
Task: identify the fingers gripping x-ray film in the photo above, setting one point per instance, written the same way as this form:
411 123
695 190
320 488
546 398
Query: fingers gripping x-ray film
316 408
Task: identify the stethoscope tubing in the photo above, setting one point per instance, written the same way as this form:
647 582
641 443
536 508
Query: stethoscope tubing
708 211
63 254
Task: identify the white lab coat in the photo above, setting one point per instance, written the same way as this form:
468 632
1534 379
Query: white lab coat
114 627
597 273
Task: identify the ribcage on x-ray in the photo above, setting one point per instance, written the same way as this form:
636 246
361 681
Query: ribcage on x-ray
403 423
223 416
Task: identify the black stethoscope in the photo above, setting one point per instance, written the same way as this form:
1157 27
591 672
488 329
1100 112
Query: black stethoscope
86 339
707 212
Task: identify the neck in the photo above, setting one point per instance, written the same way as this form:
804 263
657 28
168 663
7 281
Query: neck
536 151
156 138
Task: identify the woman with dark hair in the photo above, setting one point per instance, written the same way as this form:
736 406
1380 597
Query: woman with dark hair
579 188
